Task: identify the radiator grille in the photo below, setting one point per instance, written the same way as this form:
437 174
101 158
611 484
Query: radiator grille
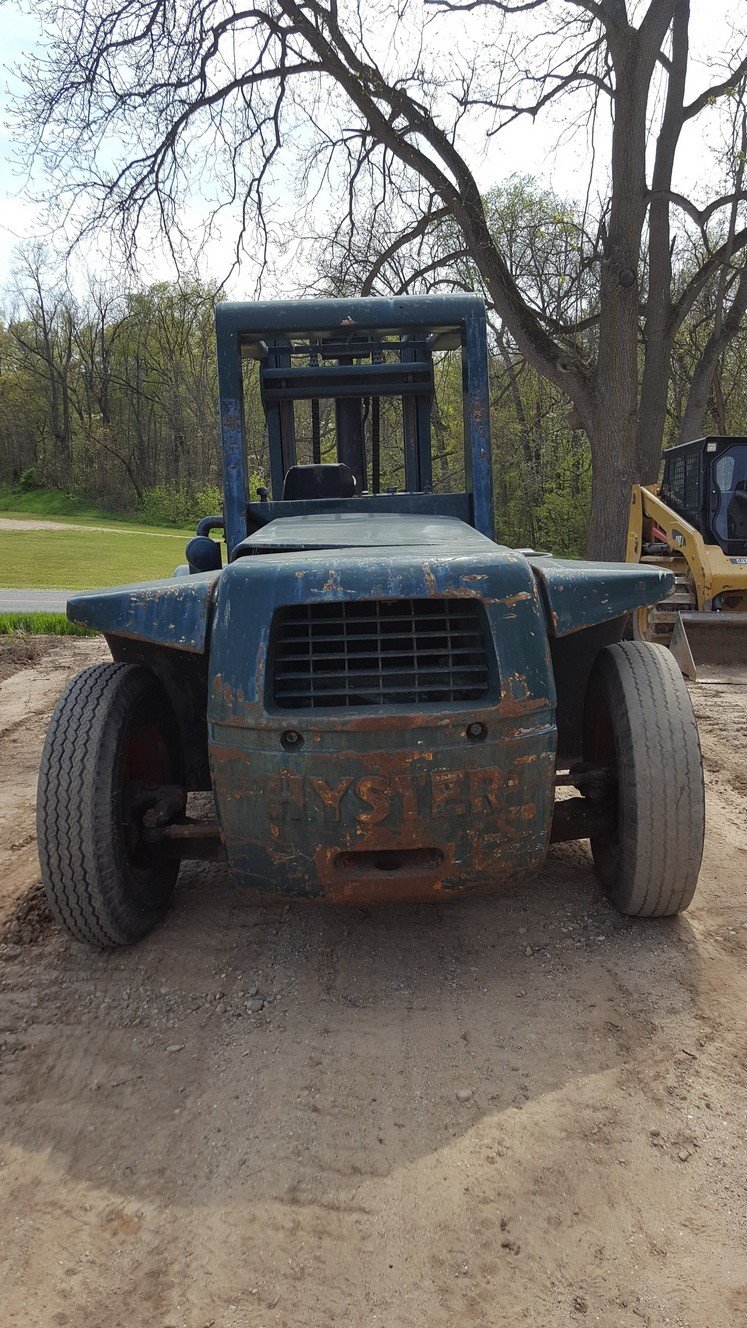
379 652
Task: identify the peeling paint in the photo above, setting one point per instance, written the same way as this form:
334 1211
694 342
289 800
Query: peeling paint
579 594
405 782
367 802
173 613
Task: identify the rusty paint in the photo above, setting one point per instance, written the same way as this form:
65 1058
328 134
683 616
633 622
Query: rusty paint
174 613
406 780
292 816
579 595
510 601
430 580
344 884
332 584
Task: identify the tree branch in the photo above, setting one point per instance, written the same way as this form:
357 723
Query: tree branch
687 298
724 88
403 239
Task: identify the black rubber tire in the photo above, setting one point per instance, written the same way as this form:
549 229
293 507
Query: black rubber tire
639 716
94 886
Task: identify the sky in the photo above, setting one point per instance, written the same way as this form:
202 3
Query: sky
529 148
17 216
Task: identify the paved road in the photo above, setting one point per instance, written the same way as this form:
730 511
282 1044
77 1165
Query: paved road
34 601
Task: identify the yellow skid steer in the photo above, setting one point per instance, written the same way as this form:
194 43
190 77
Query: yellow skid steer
695 524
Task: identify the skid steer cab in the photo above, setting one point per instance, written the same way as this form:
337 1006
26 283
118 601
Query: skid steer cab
385 703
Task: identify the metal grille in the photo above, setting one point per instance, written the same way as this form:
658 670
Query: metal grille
379 652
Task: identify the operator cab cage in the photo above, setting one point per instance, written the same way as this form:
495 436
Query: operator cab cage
352 352
705 482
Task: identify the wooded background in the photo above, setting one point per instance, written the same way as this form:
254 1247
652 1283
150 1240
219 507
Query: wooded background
616 316
112 396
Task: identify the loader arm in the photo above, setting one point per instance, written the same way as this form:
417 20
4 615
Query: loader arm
712 572
710 627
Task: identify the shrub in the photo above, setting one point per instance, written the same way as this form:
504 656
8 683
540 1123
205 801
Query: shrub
163 506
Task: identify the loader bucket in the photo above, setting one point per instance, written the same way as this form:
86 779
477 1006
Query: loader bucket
701 639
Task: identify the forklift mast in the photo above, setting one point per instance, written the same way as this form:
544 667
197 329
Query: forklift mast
354 353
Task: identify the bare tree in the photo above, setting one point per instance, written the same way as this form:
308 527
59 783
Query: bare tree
96 333
729 307
382 105
43 329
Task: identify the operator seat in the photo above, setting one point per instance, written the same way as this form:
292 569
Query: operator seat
736 512
329 480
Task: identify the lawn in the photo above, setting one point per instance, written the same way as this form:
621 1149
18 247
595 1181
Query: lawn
86 559
53 505
40 624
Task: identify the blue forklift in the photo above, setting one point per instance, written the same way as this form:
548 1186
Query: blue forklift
385 703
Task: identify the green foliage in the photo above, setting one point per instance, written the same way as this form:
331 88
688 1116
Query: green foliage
133 439
109 399
161 505
53 505
541 469
40 624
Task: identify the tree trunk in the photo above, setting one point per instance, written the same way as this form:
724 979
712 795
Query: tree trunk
612 438
612 422
718 401
693 419
659 331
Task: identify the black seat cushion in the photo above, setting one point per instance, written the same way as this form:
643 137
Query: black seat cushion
324 481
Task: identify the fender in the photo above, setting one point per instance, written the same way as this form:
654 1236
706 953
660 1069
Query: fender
579 595
173 613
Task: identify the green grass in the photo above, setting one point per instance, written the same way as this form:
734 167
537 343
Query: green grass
53 505
122 550
40 624
86 559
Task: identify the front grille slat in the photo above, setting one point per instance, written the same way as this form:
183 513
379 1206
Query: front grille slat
380 652
445 669
287 642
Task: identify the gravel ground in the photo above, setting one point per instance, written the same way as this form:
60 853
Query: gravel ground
522 1109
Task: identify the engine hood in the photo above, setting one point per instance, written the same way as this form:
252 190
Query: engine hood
367 531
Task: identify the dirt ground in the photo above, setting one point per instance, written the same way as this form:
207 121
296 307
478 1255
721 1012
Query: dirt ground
516 1110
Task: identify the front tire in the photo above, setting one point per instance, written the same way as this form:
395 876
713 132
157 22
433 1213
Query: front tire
112 735
639 721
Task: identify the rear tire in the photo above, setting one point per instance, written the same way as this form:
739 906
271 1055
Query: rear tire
112 733
639 719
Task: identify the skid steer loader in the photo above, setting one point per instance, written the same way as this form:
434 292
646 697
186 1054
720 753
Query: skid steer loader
695 524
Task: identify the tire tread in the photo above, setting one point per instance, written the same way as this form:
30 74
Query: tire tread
78 862
660 773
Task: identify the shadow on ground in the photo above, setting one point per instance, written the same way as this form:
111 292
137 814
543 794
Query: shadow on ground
383 1034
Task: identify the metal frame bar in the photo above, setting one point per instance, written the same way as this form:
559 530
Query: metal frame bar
478 461
416 421
281 426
